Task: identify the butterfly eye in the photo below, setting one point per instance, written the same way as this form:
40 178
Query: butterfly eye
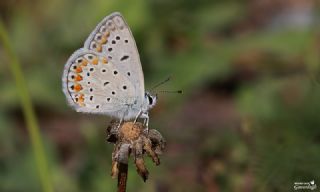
150 100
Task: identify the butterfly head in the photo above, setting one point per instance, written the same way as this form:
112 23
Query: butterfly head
150 100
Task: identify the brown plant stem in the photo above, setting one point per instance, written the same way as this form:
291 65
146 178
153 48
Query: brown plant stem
122 177
123 167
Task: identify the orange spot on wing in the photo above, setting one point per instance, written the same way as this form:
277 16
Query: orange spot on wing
99 48
77 87
81 100
79 69
107 34
84 62
104 60
95 61
78 78
103 40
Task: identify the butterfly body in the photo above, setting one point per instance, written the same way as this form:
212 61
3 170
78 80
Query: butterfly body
105 76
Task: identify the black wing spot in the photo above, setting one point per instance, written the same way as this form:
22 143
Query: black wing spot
113 42
90 89
117 38
128 73
115 72
110 49
88 82
113 93
124 87
106 83
125 57
97 106
108 99
91 69
110 57
126 41
103 70
91 97
88 74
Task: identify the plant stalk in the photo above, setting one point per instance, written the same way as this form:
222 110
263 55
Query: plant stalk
28 111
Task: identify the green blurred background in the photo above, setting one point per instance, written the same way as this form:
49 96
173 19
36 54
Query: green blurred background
248 119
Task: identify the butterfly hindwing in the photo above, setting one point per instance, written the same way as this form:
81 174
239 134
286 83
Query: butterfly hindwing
92 83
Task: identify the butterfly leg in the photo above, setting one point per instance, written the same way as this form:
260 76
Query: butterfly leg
145 116
135 120
121 121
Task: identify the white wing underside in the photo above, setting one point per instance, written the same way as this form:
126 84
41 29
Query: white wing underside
105 76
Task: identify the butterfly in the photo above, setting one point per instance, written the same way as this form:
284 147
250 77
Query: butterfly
105 76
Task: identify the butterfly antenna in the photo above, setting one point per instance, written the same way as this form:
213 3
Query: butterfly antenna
178 91
161 83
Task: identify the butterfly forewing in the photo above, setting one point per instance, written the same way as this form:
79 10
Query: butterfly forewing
113 39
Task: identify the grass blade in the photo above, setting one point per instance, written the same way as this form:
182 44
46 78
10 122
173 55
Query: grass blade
28 111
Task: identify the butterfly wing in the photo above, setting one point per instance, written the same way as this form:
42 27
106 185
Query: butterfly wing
93 84
106 75
113 39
